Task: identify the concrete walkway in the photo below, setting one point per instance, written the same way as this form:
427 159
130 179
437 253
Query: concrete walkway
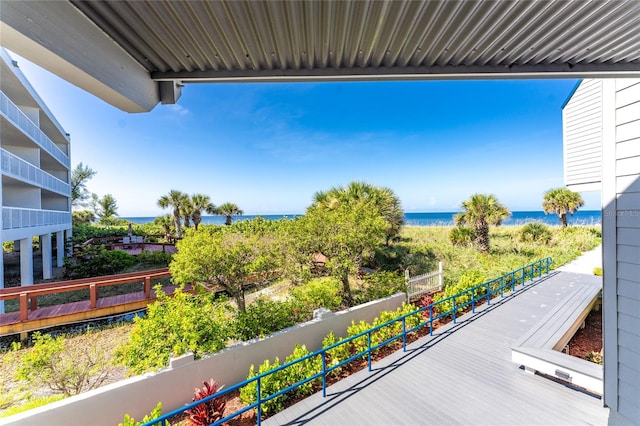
585 263
462 375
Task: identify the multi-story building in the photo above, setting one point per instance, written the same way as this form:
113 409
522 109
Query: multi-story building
36 175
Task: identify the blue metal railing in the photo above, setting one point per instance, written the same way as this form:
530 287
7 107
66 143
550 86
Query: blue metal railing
479 293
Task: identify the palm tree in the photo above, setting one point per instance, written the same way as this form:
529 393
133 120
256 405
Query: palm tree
562 201
228 210
385 200
175 199
187 211
165 222
480 211
200 203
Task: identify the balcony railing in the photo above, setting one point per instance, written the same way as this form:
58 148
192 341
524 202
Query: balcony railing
15 218
20 119
20 169
449 307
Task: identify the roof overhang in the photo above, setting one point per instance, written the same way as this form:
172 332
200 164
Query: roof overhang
136 53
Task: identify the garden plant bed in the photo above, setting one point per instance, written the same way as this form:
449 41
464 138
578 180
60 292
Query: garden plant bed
233 402
589 338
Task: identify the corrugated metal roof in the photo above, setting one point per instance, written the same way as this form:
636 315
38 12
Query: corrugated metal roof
229 39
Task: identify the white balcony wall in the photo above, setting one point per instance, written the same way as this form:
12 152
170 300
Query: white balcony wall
55 203
13 217
24 171
12 113
21 196
32 113
32 155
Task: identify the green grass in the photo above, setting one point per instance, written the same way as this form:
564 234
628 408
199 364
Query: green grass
507 251
30 404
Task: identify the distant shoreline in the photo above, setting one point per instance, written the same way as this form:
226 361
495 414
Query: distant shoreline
585 217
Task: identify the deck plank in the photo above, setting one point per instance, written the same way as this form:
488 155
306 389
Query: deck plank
461 375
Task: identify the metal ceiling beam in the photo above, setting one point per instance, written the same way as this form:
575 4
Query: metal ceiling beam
58 37
407 73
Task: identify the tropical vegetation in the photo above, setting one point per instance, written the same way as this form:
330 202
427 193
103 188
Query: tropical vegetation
342 251
562 201
478 212
228 210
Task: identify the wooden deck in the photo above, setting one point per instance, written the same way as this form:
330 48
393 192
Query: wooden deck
461 375
32 317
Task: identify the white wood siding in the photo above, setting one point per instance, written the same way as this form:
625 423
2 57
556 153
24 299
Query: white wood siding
627 277
582 135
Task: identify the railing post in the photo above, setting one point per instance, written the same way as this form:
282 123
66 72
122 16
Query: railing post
473 301
324 374
24 313
93 295
501 289
33 303
431 319
404 334
369 349
147 287
488 294
454 308
259 399
440 274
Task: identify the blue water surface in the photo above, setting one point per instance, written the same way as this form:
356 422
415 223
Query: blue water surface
586 217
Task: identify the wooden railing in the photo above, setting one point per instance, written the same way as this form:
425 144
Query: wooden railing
28 295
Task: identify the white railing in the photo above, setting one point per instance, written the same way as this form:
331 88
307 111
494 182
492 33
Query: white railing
20 119
423 284
15 218
19 169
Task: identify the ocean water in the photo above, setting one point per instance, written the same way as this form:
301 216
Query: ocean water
585 217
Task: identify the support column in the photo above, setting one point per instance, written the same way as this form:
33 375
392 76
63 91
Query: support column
69 234
45 249
60 249
26 261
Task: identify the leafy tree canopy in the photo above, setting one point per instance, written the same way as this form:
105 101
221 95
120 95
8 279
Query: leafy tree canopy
79 177
562 201
480 211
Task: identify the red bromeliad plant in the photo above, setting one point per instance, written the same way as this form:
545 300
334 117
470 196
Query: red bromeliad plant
425 300
208 412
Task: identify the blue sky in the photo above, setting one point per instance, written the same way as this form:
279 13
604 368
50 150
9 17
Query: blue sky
269 147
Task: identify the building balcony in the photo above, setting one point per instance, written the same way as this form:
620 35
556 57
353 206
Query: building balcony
22 170
12 113
16 218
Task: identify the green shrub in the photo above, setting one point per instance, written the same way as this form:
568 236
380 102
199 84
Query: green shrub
173 326
337 354
468 280
91 261
378 286
264 316
595 357
325 292
269 385
302 370
155 413
360 344
66 369
82 233
535 232
462 236
282 379
154 258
